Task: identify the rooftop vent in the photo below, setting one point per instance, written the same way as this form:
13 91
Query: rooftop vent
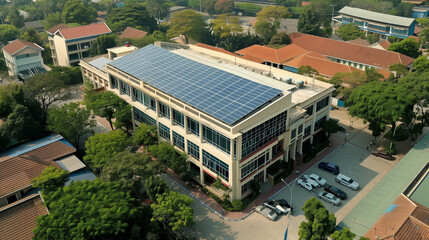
288 80
300 84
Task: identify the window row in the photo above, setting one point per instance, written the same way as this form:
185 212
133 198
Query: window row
178 140
143 98
164 131
322 103
216 139
256 163
143 117
193 150
216 165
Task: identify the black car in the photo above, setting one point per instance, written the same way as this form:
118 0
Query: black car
329 167
336 191
285 204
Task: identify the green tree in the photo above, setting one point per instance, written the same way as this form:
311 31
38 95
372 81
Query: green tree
166 154
102 43
51 20
50 179
424 37
307 70
421 64
224 6
209 6
104 104
31 35
155 186
320 222
408 46
131 15
123 117
399 70
248 9
173 209
89 210
239 41
8 33
71 121
21 125
68 75
226 24
158 9
4 142
344 234
10 96
131 170
268 20
103 147
187 23
280 39
15 18
78 11
145 134
310 21
424 22
349 32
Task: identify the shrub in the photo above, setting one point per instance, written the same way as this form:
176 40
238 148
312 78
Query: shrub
237 204
392 150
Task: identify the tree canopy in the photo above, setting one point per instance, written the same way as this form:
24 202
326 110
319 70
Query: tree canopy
102 43
51 179
344 234
187 23
320 222
131 15
311 22
8 33
224 6
421 64
78 11
268 20
21 125
155 185
226 24
158 9
349 32
144 134
408 46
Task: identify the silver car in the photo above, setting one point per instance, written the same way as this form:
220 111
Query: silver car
318 179
268 213
309 180
347 181
329 197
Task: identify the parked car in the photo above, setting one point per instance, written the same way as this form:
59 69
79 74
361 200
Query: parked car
266 212
347 181
380 152
303 183
285 204
313 183
329 197
329 167
336 191
276 207
318 179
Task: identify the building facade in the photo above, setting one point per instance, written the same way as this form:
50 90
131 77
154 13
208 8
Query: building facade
23 59
71 44
378 23
233 122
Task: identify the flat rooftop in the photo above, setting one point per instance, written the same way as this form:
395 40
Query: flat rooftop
377 17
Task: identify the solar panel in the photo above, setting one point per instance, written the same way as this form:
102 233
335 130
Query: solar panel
221 94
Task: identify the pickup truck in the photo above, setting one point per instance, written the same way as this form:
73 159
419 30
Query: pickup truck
329 167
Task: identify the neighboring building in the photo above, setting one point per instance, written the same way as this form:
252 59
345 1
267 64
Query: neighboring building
378 23
383 45
233 117
132 33
420 12
18 166
34 24
23 59
71 44
354 55
17 220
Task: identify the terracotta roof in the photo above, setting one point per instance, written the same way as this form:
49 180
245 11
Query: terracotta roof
273 55
384 72
17 220
359 41
130 32
305 4
84 31
385 44
417 30
18 45
217 49
17 172
352 52
253 59
55 28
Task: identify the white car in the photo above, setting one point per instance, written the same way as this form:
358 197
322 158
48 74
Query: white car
276 207
268 213
347 181
313 183
303 183
329 197
318 179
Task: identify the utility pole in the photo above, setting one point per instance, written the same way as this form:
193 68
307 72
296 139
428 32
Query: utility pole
200 6
332 17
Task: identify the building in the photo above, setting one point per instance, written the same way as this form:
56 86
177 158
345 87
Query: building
71 44
132 33
420 12
23 59
34 24
234 118
378 23
18 166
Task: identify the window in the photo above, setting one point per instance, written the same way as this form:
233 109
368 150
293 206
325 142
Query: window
149 102
85 54
178 118
216 165
178 140
255 164
278 148
307 131
143 117
399 31
318 124
12 199
85 45
27 55
193 150
246 187
164 110
262 134
348 20
377 27
293 134
137 95
73 56
216 139
322 103
125 88
309 110
71 48
114 82
193 126
164 131
300 129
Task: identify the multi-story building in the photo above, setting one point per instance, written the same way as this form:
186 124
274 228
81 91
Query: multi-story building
23 59
233 117
71 44
378 23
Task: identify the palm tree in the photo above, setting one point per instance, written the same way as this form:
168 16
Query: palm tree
157 9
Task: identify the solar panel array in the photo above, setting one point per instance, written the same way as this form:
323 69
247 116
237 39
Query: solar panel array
221 94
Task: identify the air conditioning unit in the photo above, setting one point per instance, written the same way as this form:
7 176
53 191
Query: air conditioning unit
289 80
300 84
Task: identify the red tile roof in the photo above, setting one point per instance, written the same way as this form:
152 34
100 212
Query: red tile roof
18 45
17 220
305 4
347 51
215 49
84 31
273 55
359 41
130 32
55 28
384 44
16 172
417 30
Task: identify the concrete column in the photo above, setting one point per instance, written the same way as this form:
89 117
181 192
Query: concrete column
132 120
171 116
185 124
201 132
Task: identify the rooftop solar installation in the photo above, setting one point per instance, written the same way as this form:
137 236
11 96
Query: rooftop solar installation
100 63
221 94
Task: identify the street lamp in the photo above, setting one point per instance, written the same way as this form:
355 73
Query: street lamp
290 211
332 18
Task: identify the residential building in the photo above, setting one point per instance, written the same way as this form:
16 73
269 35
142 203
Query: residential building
18 166
379 23
420 12
23 59
132 33
235 118
34 24
71 44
